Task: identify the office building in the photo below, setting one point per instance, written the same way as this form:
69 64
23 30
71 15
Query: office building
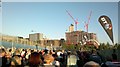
35 37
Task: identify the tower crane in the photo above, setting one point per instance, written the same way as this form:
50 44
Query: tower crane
87 23
76 21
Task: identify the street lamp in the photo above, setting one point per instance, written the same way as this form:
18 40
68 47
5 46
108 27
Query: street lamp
36 45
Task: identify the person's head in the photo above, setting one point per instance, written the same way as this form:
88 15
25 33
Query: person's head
2 52
10 50
35 59
91 64
46 51
17 52
50 52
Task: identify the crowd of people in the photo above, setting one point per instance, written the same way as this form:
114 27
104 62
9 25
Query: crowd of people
55 58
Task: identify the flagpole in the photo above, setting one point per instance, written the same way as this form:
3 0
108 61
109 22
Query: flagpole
12 48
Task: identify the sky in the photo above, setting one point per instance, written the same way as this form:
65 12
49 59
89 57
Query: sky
0 17
51 18
60 0
118 22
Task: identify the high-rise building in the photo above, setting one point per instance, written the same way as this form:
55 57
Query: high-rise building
35 37
71 28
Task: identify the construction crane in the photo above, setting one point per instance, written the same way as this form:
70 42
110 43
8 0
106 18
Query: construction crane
87 23
76 21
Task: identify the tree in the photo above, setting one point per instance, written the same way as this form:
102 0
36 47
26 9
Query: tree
107 45
71 47
102 46
115 46
118 47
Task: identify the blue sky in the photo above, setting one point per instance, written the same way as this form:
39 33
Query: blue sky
119 23
51 19
60 0
0 17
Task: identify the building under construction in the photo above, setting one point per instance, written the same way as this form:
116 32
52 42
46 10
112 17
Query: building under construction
80 37
76 37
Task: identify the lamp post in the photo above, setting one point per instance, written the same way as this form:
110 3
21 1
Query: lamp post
36 45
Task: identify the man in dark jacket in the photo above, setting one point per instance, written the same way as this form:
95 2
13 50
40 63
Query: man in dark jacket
3 58
94 57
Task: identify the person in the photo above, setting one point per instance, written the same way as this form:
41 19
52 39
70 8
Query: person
34 60
94 57
56 63
16 59
108 62
114 56
72 60
3 57
91 64
9 57
48 59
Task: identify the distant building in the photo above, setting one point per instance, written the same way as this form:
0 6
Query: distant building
62 42
53 42
16 39
71 28
77 37
35 37
49 43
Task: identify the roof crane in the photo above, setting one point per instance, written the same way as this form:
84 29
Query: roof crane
76 21
87 23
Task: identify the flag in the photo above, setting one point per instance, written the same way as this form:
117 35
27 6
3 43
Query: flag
107 26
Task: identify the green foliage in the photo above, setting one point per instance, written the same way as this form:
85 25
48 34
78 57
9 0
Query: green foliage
102 46
118 47
89 47
105 46
71 46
